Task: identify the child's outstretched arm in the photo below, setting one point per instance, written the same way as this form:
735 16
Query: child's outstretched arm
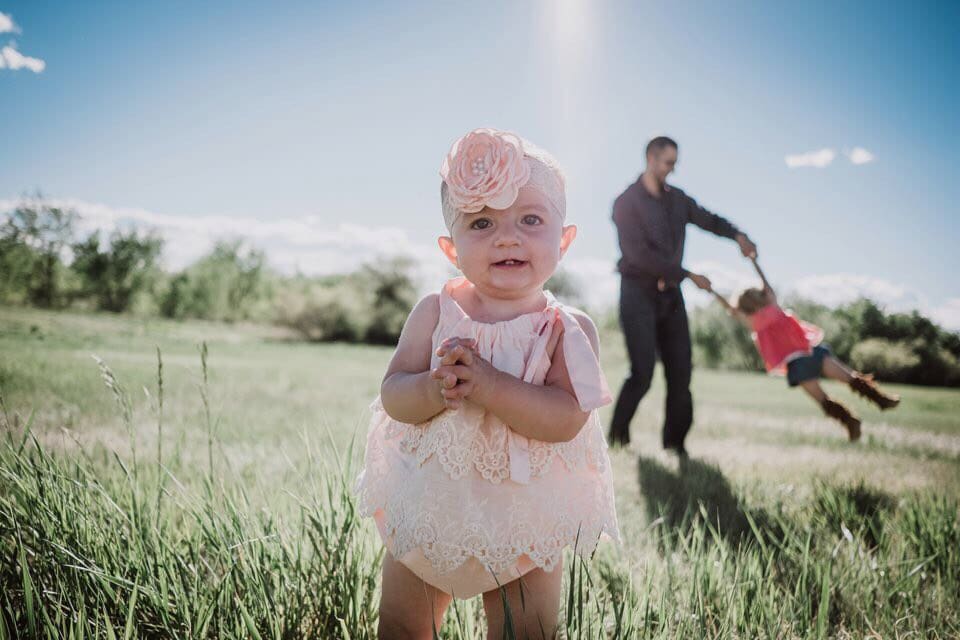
763 278
408 393
549 412
731 310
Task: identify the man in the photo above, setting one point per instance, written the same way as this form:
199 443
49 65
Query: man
651 218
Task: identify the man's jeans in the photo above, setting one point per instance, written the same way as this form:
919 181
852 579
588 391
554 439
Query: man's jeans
654 321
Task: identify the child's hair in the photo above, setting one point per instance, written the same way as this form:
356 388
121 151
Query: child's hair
542 172
751 300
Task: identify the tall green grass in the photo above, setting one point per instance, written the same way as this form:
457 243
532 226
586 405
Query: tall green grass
123 548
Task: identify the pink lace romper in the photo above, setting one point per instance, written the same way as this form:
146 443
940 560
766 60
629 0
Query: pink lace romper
465 502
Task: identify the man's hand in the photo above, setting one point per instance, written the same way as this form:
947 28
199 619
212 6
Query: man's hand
747 248
701 281
463 373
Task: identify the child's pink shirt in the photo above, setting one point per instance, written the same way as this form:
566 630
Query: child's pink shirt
780 337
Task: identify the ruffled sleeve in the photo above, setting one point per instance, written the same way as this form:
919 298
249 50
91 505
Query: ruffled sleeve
586 376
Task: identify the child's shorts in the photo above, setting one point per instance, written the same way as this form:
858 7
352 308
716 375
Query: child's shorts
807 367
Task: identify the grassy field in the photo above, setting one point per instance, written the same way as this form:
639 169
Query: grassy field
233 518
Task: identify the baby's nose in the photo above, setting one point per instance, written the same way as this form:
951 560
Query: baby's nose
507 238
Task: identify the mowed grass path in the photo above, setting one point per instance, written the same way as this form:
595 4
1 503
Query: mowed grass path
757 448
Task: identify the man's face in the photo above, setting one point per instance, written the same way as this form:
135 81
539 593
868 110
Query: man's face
661 162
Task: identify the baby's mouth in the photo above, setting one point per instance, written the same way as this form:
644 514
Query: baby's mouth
510 264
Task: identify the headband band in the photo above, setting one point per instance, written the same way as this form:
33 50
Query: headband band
487 168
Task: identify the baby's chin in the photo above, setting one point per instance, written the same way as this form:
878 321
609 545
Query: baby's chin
509 285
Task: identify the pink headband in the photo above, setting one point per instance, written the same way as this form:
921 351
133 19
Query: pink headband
487 167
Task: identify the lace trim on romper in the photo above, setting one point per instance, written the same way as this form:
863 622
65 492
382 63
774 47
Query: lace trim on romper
464 485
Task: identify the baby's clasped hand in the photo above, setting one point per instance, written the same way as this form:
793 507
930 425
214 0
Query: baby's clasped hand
463 373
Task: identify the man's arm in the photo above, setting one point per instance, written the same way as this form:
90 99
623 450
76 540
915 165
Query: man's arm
709 221
720 226
638 251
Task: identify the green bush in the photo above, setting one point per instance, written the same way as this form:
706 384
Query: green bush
369 305
323 313
230 283
115 275
32 238
721 342
887 360
391 294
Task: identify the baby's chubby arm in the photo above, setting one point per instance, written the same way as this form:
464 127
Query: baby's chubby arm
549 412
408 393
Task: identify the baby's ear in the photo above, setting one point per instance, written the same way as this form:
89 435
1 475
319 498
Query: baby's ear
449 250
569 233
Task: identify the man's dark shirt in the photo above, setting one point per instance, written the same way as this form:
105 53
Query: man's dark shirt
652 231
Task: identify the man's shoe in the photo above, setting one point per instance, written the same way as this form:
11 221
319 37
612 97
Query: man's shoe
678 450
618 441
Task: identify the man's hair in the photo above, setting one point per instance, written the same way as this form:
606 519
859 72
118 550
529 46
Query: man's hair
661 142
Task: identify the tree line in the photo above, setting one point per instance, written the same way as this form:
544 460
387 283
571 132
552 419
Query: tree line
44 263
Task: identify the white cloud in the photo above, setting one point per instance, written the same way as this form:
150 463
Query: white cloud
838 288
859 155
7 25
309 243
818 159
12 59
947 314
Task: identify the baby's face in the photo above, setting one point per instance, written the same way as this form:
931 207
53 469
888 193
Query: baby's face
511 252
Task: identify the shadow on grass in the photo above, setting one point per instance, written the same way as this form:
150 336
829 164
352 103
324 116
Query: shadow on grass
698 494
859 508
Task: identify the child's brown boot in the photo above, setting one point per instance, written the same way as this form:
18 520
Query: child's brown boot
865 386
839 412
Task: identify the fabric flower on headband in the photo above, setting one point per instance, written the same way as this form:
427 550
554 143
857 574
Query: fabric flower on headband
485 168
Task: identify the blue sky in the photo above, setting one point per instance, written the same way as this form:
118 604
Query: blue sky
317 129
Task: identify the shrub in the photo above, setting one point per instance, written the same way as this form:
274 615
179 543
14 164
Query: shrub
227 284
720 341
391 294
32 238
888 360
114 276
322 312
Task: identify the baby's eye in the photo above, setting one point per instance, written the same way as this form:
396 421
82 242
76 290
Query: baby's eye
481 223
532 219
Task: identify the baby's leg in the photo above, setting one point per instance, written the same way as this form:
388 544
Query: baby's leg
534 615
409 607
